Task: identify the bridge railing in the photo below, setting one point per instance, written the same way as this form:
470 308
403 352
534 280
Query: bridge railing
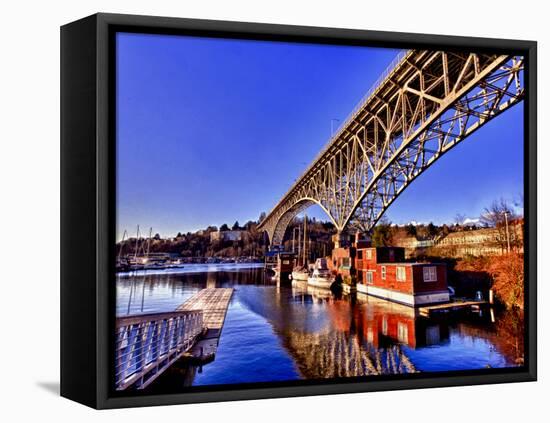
147 344
374 87
376 84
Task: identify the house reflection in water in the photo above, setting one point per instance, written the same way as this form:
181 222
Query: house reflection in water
359 338
384 323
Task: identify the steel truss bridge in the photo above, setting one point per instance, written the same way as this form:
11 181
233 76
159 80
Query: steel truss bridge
426 103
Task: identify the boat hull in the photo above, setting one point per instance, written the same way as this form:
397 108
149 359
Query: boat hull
320 282
412 300
299 276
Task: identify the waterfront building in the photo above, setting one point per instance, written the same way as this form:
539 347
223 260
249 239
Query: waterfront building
343 255
382 272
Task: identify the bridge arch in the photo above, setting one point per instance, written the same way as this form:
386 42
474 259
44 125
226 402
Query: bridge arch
426 105
277 229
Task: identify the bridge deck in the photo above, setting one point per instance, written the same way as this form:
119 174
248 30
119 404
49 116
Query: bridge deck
214 303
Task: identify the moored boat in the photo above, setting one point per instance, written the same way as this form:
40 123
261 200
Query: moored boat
300 274
321 276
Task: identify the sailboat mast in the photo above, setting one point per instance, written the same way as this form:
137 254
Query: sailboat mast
149 243
121 244
137 244
305 239
299 243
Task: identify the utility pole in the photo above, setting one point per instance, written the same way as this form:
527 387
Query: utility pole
507 232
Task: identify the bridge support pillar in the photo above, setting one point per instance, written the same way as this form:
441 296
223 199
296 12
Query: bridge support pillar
340 240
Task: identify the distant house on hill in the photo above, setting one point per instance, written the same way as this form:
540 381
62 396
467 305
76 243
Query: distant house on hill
226 236
474 242
485 241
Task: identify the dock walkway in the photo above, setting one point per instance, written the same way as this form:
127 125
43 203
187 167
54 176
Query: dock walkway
214 303
148 344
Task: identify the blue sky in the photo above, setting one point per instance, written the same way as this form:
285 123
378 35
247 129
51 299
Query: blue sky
210 131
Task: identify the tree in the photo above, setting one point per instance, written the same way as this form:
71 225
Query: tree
236 226
382 234
508 276
224 227
410 229
499 215
262 217
432 230
459 219
496 214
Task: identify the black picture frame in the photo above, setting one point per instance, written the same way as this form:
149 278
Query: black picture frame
88 206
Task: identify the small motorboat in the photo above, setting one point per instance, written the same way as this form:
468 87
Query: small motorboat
321 276
300 274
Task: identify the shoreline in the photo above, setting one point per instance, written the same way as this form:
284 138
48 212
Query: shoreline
191 268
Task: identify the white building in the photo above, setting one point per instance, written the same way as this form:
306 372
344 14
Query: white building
226 236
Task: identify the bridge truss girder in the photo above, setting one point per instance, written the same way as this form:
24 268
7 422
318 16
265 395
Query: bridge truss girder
427 105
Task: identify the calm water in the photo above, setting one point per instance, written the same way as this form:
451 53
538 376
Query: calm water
281 333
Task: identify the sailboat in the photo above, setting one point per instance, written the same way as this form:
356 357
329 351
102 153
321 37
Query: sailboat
122 264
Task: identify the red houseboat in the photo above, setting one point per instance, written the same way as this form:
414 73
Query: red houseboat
382 272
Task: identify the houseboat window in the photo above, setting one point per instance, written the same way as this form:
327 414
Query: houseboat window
360 255
401 276
402 333
385 325
430 274
345 262
383 272
392 255
368 254
369 277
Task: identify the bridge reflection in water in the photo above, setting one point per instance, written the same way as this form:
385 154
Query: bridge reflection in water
288 332
353 338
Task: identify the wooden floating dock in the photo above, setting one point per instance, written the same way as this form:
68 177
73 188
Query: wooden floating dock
213 302
427 311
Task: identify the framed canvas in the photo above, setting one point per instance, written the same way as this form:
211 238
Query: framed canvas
259 211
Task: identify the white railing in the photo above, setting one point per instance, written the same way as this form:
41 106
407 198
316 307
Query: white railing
148 344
